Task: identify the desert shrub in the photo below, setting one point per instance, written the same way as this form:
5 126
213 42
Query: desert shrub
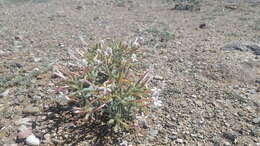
109 87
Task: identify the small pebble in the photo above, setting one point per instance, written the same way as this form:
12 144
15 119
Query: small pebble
2 52
253 91
256 120
18 65
153 132
24 121
179 141
36 69
79 7
231 135
157 77
143 124
5 93
61 45
194 96
123 143
18 37
31 110
256 132
201 136
32 140
36 97
258 89
203 25
22 128
257 81
37 59
226 143
47 137
173 137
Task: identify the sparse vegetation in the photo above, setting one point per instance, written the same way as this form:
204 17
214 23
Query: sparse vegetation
107 87
155 36
161 35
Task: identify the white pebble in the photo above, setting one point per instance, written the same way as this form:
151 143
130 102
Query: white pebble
32 140
179 141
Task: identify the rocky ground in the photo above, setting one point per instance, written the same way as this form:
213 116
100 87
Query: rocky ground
205 55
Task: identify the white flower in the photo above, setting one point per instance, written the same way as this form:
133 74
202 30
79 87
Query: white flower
155 92
134 58
108 51
155 96
136 43
84 62
142 116
96 60
99 51
104 90
123 143
157 102
63 97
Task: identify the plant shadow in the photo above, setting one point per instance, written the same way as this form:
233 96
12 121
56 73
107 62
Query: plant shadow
73 130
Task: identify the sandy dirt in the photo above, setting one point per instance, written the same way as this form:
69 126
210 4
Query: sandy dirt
210 94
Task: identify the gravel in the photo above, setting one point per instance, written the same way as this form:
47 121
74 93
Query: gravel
208 95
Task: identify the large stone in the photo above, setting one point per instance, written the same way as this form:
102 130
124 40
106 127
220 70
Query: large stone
244 71
231 135
243 47
187 6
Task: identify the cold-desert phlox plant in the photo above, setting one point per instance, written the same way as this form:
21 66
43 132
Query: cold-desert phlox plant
108 86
